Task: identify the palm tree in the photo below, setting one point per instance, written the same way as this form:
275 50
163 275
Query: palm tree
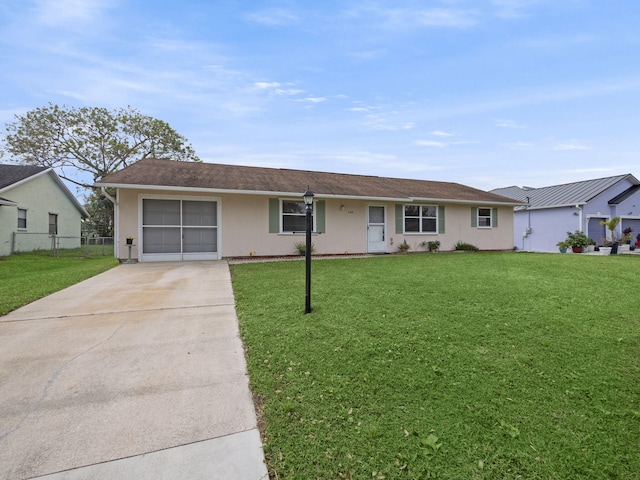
611 226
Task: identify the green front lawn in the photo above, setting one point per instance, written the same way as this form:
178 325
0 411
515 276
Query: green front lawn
25 277
453 366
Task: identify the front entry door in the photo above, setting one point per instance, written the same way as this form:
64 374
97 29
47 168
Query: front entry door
376 239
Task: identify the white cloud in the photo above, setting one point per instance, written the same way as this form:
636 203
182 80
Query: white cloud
68 13
440 133
266 85
507 123
368 54
273 88
274 17
513 8
403 18
392 128
430 143
315 99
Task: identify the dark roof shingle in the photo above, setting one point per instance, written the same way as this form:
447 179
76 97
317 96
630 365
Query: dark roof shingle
10 174
168 173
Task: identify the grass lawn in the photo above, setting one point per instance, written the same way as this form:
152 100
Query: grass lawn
25 277
452 366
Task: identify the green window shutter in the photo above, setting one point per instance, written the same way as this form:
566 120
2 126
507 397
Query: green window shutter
399 218
274 215
440 218
494 218
320 216
474 217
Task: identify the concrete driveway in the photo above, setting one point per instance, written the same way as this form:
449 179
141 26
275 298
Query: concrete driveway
136 373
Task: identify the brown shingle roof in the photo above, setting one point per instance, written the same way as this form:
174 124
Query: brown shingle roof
218 177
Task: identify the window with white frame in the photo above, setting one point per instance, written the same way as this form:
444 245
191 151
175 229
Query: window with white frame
294 216
484 218
421 219
22 218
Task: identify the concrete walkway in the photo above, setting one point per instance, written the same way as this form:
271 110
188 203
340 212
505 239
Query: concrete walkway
137 373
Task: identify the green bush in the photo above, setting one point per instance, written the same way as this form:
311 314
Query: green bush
467 247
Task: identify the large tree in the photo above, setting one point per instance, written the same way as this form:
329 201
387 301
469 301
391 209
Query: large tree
93 140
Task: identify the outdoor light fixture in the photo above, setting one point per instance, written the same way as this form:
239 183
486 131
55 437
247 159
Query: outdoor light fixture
308 201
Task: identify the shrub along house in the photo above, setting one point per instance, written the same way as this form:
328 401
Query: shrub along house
192 211
35 206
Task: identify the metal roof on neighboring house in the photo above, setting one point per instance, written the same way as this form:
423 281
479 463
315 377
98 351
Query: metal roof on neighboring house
624 195
576 193
173 175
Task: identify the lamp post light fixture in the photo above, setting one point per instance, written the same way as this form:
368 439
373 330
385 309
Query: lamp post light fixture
308 201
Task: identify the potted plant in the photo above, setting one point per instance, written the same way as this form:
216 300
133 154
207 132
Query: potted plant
434 245
612 243
625 240
404 247
563 245
578 241
130 240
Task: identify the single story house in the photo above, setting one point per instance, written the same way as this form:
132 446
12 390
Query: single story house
35 205
553 211
184 210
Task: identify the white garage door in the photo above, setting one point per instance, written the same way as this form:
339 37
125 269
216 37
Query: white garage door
179 230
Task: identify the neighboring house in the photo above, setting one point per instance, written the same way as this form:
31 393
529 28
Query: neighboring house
553 211
183 210
34 205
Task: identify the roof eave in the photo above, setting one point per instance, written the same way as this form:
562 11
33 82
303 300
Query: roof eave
566 205
467 202
299 194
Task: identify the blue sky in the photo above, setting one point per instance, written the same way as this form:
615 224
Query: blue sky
488 93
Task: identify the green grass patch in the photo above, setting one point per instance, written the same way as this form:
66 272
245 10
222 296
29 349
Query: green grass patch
475 366
25 277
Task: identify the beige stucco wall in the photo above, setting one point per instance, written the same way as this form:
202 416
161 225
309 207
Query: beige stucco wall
244 224
40 196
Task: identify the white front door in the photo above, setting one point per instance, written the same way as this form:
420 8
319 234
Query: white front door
376 238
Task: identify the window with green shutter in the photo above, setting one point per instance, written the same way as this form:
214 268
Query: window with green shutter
484 217
290 216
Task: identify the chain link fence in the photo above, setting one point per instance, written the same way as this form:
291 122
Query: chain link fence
62 246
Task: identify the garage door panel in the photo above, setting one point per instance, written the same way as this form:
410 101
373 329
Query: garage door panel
199 214
161 212
179 229
200 240
161 240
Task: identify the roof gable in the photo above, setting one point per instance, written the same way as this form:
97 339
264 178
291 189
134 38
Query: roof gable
13 175
169 174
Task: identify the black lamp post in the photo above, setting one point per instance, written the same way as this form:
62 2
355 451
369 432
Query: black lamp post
308 201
